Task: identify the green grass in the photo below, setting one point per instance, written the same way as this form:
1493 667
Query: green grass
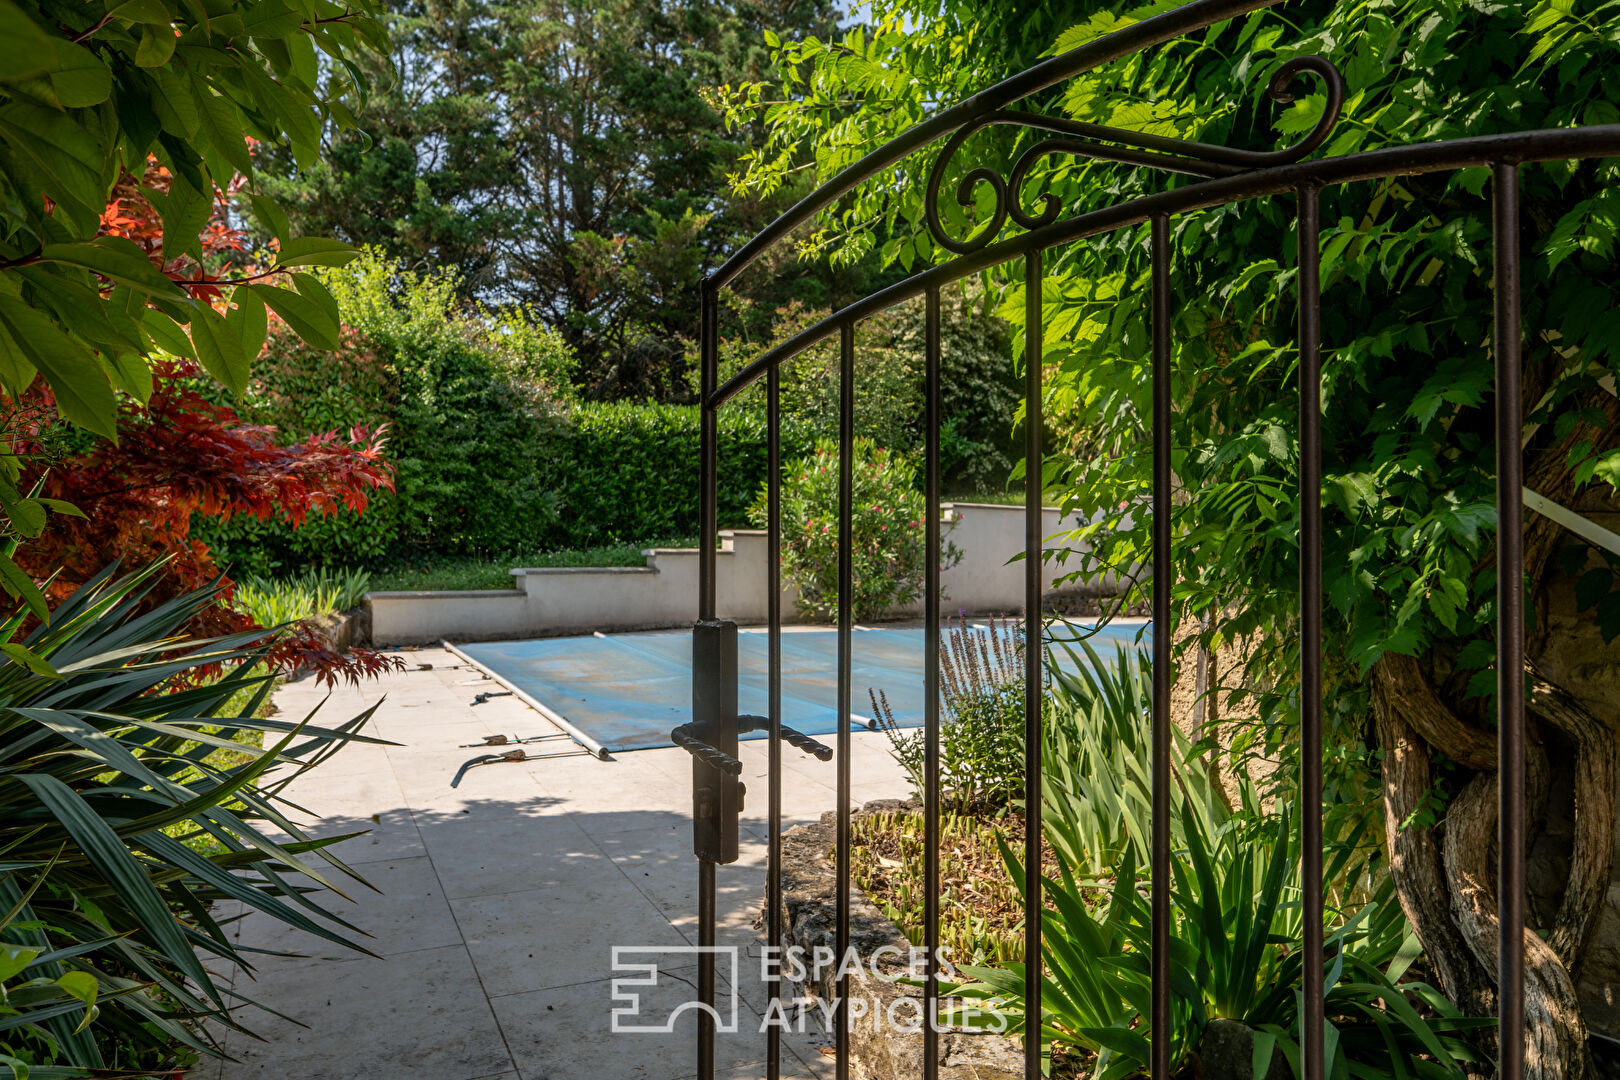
487 572
1011 497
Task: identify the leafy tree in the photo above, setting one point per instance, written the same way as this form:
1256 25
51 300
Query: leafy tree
557 152
1409 452
88 93
979 396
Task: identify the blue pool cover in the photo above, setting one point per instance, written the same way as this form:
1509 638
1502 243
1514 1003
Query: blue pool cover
628 690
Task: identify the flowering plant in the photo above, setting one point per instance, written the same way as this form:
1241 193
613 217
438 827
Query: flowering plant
886 527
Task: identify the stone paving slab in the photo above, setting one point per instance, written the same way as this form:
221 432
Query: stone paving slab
501 899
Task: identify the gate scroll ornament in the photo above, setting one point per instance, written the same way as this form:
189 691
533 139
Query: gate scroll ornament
1225 175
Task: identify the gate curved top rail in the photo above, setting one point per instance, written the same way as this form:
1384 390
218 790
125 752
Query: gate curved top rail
1117 45
1602 140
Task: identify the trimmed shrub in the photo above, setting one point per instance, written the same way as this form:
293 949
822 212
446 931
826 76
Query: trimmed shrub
886 531
473 402
494 457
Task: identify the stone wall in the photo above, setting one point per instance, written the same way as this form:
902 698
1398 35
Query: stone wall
877 1051
663 593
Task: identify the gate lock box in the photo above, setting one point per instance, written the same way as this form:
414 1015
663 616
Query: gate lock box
711 739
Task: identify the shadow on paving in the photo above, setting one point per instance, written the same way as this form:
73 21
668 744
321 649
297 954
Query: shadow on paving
494 924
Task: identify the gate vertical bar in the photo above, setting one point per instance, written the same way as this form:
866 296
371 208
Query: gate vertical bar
1509 623
1032 664
846 579
931 538
1160 856
708 529
1310 624
773 608
708 446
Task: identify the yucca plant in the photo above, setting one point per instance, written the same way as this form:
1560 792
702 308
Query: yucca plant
1096 761
109 782
1234 955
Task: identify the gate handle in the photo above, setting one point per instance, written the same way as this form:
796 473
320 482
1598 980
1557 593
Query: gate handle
685 738
820 751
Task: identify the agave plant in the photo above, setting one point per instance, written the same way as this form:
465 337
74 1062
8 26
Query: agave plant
120 827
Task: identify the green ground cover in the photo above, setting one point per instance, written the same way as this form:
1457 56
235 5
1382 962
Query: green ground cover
490 572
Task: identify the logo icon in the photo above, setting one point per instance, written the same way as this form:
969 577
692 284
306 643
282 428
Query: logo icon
631 1016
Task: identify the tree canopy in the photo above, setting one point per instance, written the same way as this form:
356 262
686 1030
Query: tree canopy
559 153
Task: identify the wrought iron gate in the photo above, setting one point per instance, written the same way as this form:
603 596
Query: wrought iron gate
1229 175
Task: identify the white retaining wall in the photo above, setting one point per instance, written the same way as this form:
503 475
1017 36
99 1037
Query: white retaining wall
581 600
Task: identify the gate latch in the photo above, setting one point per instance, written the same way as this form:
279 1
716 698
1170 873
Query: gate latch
711 739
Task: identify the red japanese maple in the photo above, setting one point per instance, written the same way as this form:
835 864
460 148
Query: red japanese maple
181 454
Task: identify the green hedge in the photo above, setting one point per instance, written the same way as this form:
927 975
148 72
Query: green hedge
597 474
632 470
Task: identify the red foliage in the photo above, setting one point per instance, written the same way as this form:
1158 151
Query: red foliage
182 454
132 216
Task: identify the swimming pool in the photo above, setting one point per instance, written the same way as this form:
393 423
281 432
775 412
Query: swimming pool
626 691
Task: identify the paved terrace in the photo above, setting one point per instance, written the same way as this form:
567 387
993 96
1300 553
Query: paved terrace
499 901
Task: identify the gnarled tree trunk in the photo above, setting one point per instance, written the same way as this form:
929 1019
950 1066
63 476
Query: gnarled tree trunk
1446 870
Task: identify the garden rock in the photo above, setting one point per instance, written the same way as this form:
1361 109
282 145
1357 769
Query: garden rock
1226 1052
877 1050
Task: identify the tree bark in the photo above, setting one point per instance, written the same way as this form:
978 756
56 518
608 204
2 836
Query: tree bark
1555 1035
1445 874
1414 856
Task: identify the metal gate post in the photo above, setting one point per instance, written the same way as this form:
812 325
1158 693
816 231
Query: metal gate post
716 791
716 798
